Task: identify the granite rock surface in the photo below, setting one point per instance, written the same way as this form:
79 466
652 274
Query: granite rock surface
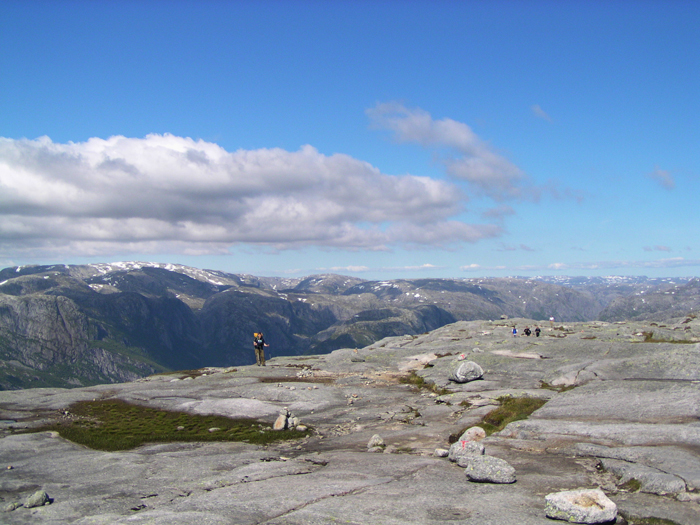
633 411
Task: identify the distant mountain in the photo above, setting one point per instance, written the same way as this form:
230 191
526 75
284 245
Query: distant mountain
657 304
71 325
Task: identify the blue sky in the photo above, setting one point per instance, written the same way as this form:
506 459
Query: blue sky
376 139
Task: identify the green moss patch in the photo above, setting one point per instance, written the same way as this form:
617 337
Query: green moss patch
113 425
511 409
631 485
419 382
326 380
547 386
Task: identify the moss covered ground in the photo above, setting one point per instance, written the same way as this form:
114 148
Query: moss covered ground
113 425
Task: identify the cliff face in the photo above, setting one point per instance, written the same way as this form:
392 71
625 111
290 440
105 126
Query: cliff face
57 331
79 325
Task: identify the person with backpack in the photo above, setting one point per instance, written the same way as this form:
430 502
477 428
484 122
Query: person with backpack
259 346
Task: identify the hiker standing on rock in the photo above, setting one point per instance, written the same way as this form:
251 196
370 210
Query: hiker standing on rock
515 332
537 331
259 345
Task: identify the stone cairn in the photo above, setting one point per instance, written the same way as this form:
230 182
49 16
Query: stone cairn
288 421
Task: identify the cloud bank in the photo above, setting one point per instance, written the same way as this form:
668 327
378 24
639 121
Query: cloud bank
165 193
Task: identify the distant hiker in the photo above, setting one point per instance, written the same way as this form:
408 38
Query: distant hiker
515 332
527 331
537 331
259 345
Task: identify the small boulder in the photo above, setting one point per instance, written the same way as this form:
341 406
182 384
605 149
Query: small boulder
12 506
466 371
441 452
38 499
488 469
580 506
375 441
462 449
280 422
473 434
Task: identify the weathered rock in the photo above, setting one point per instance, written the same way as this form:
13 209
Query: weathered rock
463 449
38 499
473 434
651 480
678 461
580 506
280 423
487 469
12 506
375 441
465 371
651 421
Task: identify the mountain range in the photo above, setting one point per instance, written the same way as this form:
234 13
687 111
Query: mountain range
77 325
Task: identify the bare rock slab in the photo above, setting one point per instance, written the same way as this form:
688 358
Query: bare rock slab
580 506
651 480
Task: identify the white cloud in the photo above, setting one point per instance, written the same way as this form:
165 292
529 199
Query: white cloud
419 268
663 177
510 248
352 269
657 248
498 212
465 156
164 192
487 172
364 269
540 113
673 262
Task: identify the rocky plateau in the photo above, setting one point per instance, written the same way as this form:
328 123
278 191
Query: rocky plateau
621 414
